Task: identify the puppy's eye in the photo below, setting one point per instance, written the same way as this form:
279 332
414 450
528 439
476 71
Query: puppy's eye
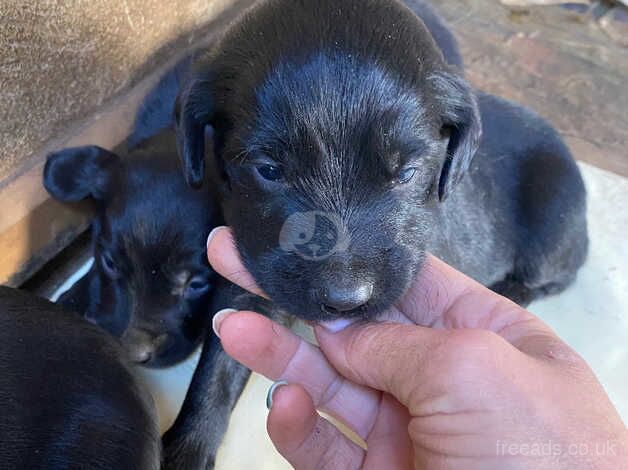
196 288
109 266
406 175
270 172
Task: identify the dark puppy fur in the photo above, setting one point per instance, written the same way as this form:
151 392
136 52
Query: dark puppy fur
523 207
68 398
346 146
218 381
150 284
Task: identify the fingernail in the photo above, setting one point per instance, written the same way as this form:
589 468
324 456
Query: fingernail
219 317
271 391
212 233
337 325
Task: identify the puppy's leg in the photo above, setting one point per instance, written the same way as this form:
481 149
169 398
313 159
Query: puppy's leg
514 290
517 290
218 382
554 240
194 438
541 210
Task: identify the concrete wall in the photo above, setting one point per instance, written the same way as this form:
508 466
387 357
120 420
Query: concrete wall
61 60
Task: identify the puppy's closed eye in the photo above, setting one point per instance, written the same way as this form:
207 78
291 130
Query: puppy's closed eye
109 265
196 288
415 174
406 175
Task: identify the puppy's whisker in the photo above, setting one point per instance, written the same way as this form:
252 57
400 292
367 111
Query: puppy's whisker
241 156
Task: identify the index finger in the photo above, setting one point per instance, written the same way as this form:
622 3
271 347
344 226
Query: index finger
223 256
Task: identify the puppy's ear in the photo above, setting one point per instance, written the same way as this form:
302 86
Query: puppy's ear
76 173
461 122
193 112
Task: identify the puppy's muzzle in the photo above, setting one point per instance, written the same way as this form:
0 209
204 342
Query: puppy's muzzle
143 347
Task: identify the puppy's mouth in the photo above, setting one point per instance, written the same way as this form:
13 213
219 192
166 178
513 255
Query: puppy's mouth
360 311
338 325
339 320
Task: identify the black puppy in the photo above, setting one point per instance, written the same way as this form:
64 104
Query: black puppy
150 284
68 398
346 144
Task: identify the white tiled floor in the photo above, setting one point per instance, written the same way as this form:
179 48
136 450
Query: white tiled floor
592 316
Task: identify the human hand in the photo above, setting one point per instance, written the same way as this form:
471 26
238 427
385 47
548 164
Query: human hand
454 376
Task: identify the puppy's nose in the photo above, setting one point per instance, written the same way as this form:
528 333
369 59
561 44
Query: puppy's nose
142 346
337 299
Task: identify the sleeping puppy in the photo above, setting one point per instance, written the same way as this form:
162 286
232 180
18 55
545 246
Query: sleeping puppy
345 144
68 398
150 284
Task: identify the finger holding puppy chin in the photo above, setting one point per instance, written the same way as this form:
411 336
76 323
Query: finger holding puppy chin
485 372
296 429
473 395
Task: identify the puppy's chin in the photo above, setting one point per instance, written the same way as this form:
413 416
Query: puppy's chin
336 326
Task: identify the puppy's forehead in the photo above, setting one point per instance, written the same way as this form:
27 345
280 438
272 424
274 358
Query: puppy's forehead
157 217
152 248
334 107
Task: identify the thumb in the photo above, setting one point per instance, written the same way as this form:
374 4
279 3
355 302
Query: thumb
389 357
412 362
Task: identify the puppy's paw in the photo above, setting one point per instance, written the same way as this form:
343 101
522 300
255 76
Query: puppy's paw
185 451
515 291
